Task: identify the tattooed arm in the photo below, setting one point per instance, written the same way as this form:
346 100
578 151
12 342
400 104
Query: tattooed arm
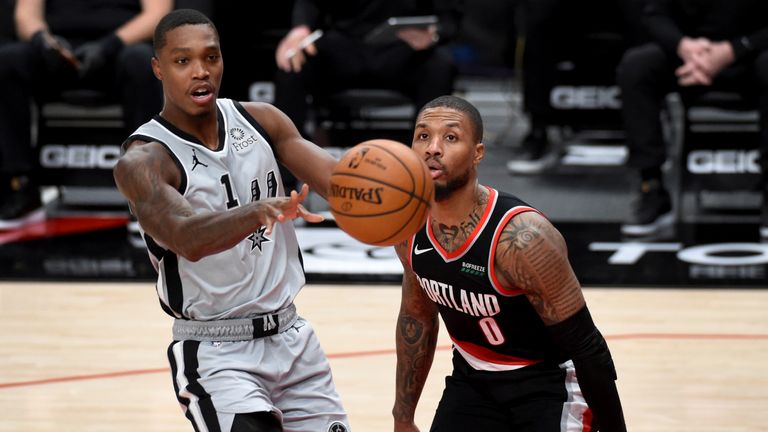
532 256
415 338
147 176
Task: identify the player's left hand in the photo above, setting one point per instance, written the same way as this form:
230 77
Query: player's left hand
95 55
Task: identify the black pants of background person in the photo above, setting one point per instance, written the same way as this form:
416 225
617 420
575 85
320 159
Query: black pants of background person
343 63
539 58
647 74
553 29
25 76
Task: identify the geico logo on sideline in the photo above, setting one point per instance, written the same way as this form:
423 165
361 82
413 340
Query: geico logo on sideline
585 97
724 161
79 156
718 254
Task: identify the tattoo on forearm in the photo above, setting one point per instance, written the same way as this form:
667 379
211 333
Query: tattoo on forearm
411 330
414 357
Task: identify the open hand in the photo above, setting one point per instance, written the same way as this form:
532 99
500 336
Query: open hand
288 208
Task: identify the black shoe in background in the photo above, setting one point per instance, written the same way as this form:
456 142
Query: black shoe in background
651 211
535 154
20 208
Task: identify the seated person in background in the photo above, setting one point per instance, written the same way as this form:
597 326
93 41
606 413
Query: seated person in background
545 37
97 44
695 46
341 59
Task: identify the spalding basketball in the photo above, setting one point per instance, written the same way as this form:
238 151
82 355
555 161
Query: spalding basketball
380 192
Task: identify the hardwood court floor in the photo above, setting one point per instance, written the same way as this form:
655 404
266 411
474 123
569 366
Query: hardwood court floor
91 357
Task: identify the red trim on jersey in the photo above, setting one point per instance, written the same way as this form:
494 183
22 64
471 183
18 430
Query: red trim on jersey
492 255
450 256
490 356
586 420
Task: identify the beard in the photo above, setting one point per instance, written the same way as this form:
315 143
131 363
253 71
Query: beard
442 193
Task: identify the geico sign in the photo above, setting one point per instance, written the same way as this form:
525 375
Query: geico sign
724 162
79 156
719 254
585 97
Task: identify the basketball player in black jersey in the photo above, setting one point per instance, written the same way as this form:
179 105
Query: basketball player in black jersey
527 355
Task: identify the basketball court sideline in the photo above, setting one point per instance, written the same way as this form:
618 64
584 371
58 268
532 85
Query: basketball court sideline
91 356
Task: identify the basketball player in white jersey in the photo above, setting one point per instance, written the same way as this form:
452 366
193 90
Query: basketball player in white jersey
527 356
203 180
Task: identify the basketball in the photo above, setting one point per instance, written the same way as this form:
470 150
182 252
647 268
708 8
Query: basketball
380 192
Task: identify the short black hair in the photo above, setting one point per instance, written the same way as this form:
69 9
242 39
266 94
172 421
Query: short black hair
178 18
462 106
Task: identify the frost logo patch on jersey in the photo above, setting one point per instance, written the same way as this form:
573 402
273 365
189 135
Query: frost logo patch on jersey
337 427
241 140
236 133
196 161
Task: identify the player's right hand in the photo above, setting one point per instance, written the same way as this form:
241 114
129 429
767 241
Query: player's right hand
290 55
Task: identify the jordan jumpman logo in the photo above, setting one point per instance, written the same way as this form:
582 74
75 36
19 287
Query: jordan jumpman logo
196 161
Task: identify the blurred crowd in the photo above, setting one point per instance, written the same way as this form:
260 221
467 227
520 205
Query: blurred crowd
314 49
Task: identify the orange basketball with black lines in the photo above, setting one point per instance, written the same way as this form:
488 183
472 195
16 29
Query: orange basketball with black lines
380 192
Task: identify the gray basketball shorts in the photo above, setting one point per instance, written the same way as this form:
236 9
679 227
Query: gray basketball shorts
286 374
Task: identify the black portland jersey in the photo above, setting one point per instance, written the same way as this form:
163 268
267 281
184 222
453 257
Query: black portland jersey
492 327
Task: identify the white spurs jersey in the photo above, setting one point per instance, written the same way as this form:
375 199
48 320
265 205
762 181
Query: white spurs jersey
262 273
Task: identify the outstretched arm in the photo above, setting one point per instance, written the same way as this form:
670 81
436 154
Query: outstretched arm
147 176
308 162
415 338
532 256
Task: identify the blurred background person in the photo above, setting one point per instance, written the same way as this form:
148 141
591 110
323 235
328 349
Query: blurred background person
696 46
96 44
555 32
343 59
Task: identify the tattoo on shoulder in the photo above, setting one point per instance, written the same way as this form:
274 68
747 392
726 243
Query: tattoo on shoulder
519 234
